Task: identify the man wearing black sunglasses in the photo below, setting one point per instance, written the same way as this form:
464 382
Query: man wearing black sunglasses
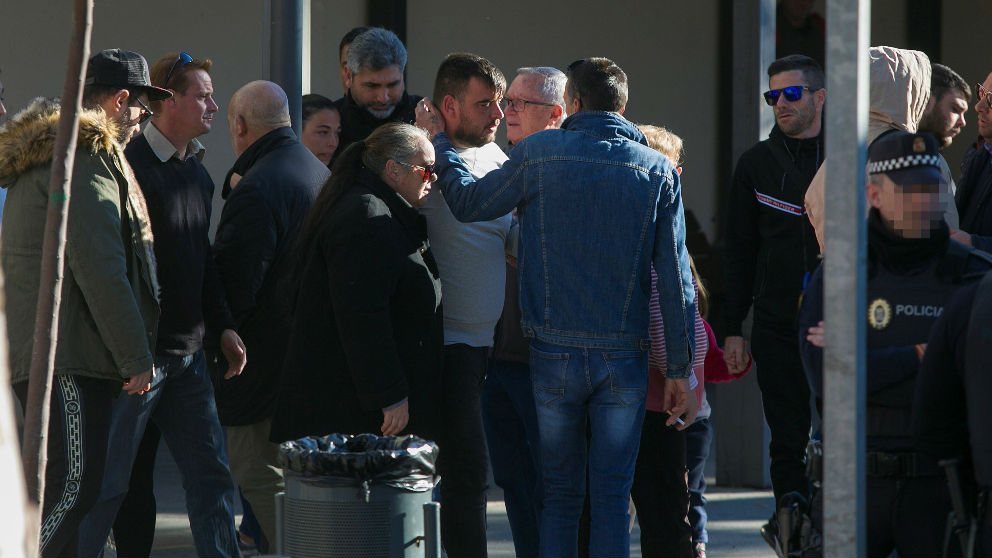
771 249
109 291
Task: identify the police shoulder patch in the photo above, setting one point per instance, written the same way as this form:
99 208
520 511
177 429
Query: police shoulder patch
879 313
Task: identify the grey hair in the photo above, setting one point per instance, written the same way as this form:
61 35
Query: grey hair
397 141
552 88
374 50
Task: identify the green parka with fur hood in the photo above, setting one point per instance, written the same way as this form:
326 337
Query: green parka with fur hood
109 313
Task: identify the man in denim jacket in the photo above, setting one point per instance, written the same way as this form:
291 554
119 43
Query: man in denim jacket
596 207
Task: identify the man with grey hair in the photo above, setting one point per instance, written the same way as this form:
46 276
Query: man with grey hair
534 102
376 92
257 229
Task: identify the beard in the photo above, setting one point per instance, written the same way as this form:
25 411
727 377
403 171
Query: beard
931 124
803 116
381 114
472 138
125 128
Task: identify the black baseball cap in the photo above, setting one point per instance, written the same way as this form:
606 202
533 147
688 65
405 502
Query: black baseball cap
124 69
907 159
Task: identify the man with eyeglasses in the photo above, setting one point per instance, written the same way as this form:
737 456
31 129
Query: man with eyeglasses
533 102
470 259
594 203
109 312
974 194
166 162
771 250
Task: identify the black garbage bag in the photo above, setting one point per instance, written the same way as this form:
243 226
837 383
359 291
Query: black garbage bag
405 462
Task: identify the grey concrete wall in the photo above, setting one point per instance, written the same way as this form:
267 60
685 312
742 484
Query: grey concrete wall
34 44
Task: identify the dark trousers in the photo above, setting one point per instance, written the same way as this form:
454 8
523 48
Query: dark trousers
697 449
908 515
660 492
785 398
78 429
463 459
134 528
510 419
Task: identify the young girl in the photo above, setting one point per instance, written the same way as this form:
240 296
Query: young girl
670 503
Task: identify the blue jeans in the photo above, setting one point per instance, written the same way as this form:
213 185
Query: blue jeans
181 404
606 388
697 449
510 420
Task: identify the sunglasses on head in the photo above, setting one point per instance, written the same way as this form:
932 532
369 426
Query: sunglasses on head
792 94
181 60
425 171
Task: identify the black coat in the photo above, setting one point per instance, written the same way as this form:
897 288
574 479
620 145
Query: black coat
367 329
770 243
357 123
255 238
974 198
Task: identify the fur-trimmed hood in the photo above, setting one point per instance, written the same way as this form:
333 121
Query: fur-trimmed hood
27 140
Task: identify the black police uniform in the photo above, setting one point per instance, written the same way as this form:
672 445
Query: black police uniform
909 283
952 409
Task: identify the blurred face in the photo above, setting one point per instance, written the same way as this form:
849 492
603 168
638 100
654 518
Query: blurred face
984 111
944 117
477 115
910 211
408 180
378 92
800 118
532 118
320 134
192 111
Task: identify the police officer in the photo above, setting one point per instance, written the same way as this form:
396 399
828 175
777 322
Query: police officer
913 269
952 409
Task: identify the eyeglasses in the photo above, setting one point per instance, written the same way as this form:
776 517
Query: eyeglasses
520 105
181 60
982 94
425 171
792 94
146 112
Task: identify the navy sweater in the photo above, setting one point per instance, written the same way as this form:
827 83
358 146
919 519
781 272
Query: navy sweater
179 195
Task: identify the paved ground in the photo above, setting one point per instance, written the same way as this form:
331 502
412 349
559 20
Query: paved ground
734 518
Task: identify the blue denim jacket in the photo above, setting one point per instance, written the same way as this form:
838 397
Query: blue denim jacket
596 208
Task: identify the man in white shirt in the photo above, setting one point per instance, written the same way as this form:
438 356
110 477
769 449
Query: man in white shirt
470 258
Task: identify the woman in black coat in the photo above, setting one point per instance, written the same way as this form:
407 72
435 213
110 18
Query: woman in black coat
365 350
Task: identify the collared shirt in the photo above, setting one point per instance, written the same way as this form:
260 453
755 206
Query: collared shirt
164 149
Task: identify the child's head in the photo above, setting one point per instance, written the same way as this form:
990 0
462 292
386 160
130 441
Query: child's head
663 141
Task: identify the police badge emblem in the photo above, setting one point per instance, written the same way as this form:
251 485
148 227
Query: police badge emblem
879 313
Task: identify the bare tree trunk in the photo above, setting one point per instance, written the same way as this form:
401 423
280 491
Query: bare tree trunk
18 535
35 452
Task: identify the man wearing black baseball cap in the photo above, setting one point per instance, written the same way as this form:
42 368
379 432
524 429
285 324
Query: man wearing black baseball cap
109 313
913 269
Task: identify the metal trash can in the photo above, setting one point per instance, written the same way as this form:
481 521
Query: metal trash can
356 496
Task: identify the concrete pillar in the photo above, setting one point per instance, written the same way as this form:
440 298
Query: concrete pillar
845 278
